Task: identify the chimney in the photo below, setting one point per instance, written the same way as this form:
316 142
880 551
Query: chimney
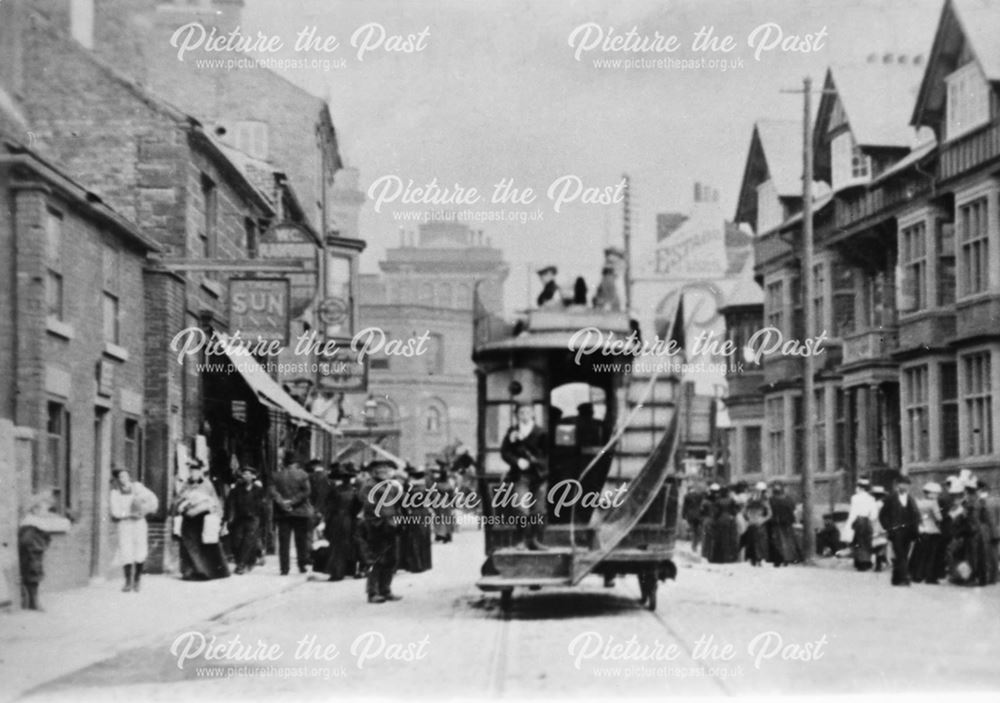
697 192
81 21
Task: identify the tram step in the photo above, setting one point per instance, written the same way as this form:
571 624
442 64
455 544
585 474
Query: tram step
522 563
626 468
650 416
639 441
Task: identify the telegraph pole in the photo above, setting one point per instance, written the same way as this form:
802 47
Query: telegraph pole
627 239
808 293
809 402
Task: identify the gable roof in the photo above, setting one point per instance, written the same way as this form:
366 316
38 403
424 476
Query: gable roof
775 153
782 144
877 97
977 24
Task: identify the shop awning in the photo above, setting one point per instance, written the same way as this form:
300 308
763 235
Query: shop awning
268 391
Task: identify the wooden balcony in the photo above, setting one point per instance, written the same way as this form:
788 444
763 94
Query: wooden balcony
870 345
969 151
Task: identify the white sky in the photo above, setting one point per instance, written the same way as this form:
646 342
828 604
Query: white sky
497 94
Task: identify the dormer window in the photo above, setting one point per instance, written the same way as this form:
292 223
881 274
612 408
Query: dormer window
968 100
850 165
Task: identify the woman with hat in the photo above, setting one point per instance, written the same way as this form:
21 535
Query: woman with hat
925 553
129 504
725 537
197 504
757 512
861 518
784 547
343 505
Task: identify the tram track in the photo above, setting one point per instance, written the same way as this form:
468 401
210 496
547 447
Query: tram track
684 643
499 655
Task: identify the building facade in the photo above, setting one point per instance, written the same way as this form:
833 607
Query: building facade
905 232
427 288
73 385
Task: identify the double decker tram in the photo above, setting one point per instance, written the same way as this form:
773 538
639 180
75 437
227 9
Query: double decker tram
613 485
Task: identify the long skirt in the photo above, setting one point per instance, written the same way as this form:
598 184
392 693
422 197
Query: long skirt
861 545
725 541
133 542
784 549
342 555
708 536
200 561
755 543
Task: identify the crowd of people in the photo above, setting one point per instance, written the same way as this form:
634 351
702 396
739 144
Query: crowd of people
332 514
950 533
726 522
329 513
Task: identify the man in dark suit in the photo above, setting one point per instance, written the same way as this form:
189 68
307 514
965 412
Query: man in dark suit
524 448
901 519
293 512
244 514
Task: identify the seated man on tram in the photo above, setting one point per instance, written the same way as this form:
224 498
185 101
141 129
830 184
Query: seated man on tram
524 449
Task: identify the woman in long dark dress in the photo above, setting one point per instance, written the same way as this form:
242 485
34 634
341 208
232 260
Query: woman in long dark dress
725 538
196 501
419 534
342 508
757 512
708 521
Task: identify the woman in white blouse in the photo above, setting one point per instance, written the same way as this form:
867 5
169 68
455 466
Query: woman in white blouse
130 503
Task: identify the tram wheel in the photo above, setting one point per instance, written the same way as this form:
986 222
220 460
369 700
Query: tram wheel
506 599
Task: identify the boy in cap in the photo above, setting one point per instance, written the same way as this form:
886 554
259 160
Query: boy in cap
378 533
244 514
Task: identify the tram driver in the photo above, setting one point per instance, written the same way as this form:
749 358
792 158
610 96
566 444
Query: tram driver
524 450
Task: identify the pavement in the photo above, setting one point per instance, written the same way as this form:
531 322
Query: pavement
83 626
720 630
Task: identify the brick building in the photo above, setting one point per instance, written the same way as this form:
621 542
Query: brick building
72 320
253 109
426 287
159 166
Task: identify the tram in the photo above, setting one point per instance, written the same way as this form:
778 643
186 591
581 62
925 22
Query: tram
611 432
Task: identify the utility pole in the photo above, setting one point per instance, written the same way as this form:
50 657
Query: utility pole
627 239
809 399
808 293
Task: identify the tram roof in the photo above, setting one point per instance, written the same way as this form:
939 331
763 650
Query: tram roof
549 329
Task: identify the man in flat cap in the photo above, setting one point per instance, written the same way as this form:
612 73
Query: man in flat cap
901 519
379 525
245 506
